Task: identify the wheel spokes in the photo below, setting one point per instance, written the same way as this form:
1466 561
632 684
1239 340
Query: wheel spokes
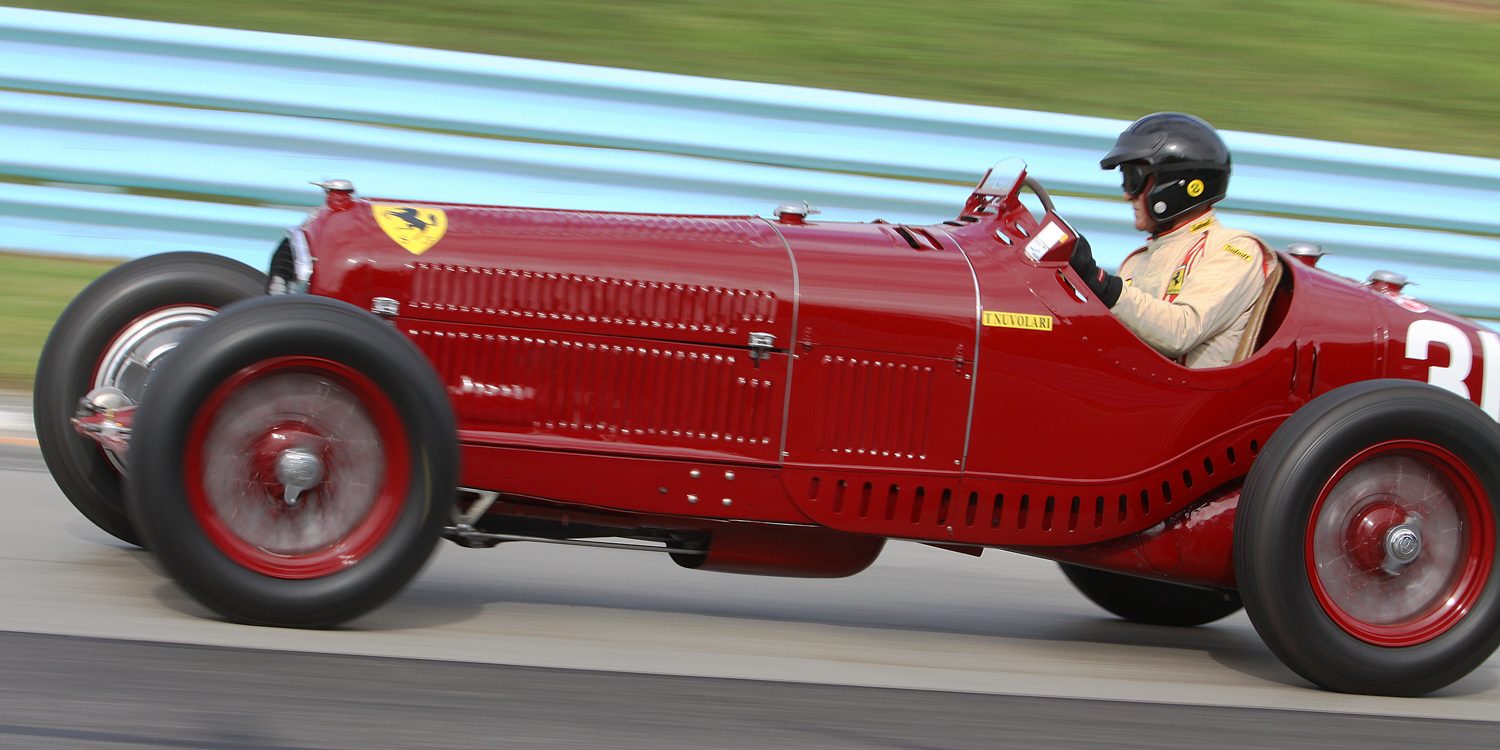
1389 545
299 427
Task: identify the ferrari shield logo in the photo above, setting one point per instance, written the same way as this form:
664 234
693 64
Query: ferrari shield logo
1174 285
415 228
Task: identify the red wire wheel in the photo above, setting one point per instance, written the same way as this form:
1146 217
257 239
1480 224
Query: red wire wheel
1365 541
328 416
1400 543
294 462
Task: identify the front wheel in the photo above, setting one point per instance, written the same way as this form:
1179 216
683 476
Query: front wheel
296 463
114 334
1151 602
1365 540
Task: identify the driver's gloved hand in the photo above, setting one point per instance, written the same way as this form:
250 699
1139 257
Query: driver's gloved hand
1106 287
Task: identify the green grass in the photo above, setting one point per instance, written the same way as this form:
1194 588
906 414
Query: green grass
35 291
1414 73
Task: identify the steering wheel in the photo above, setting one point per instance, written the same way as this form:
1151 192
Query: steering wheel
1036 189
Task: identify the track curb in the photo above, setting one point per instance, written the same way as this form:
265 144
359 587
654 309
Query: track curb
16 426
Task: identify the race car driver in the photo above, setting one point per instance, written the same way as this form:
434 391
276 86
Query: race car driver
1189 291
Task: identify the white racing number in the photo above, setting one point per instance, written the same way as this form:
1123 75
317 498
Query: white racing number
1423 333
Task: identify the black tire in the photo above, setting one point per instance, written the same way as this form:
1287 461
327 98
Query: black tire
79 339
1151 602
1426 631
355 350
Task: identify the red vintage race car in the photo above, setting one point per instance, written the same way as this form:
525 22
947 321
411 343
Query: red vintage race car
779 397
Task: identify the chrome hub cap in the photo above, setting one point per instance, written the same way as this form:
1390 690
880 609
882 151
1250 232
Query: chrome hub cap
139 349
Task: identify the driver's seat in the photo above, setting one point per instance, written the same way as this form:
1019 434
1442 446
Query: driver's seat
1251 337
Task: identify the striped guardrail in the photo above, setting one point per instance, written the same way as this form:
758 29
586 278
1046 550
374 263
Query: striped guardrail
224 115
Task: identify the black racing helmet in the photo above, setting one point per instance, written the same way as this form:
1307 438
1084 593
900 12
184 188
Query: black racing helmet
1186 156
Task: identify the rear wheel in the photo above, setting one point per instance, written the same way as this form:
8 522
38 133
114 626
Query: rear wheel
1152 602
296 464
1365 540
114 334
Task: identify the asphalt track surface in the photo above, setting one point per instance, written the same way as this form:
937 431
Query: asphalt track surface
540 646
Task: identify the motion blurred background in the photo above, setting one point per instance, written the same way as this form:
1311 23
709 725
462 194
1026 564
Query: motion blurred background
1407 74
1417 74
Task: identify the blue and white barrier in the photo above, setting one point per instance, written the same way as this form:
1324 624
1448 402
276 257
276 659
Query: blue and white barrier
228 115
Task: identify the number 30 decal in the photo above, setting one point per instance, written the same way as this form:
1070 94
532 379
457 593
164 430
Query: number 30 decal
1423 333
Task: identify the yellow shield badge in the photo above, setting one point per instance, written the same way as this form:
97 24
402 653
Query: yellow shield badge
415 228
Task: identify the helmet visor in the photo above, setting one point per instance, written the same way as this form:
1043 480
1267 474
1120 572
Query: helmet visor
1133 176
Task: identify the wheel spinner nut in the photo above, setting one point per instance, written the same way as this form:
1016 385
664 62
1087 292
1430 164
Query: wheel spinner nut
298 470
1403 544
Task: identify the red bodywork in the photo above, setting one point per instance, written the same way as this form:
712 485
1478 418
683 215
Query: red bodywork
602 364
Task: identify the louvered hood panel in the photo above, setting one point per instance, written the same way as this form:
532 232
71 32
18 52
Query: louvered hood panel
629 306
693 279
585 331
511 386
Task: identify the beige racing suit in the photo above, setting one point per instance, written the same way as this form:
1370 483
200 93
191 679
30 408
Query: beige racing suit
1188 293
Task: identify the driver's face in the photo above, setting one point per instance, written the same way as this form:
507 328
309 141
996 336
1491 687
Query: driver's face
1143 220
